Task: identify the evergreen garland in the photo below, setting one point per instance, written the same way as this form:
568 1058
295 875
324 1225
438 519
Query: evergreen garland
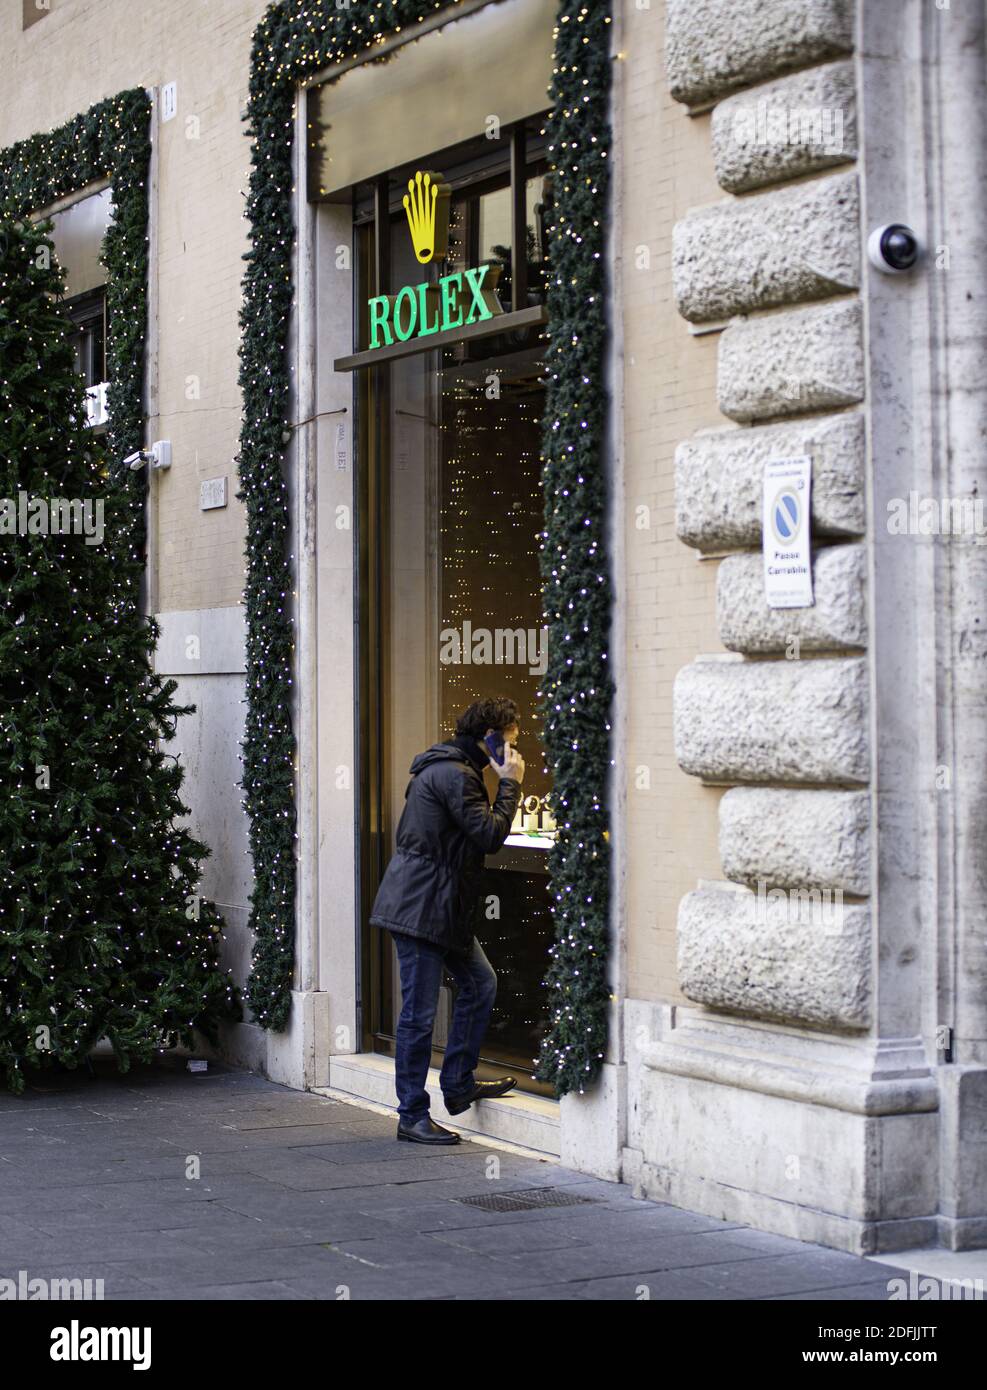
294 40
111 140
102 931
578 686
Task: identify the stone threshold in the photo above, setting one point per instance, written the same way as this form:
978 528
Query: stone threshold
524 1123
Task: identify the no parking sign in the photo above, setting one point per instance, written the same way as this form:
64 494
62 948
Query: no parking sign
786 534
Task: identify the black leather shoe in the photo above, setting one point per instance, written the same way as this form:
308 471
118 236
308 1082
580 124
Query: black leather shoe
483 1090
426 1131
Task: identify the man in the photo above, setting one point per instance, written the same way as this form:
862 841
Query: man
426 900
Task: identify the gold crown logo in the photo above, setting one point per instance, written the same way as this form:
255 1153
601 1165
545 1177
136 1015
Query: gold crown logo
427 206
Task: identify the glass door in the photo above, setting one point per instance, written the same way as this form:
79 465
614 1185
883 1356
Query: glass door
452 608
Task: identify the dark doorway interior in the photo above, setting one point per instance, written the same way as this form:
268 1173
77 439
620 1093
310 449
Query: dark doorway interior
451 512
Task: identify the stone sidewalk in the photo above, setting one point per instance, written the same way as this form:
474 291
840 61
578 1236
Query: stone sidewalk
301 1197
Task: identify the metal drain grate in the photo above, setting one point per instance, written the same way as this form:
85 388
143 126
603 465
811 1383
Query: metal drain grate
529 1199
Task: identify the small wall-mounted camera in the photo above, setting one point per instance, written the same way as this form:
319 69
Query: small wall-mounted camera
158 456
893 248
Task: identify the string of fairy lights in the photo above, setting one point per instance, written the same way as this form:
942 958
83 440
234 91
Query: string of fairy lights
577 587
97 873
294 40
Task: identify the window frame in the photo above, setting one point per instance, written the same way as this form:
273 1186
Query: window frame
84 309
81 310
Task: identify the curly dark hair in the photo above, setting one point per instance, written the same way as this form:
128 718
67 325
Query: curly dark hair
499 713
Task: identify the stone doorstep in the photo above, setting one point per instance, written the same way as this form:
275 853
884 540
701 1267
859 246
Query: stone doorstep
524 1123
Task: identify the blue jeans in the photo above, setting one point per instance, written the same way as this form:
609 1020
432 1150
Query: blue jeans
421 964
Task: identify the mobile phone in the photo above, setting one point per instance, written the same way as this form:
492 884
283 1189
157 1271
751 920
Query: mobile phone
495 746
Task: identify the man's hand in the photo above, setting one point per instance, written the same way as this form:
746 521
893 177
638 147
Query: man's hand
512 766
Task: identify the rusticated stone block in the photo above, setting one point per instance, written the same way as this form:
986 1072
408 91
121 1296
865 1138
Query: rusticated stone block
773 721
790 363
784 247
715 46
719 479
786 129
788 839
837 618
780 957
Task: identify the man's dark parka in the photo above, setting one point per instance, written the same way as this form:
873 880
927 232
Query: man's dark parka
432 883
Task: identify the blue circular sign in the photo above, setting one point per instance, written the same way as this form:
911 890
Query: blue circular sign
786 517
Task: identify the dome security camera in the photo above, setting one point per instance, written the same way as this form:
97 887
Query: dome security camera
893 248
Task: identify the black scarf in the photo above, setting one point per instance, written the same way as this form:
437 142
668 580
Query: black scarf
469 747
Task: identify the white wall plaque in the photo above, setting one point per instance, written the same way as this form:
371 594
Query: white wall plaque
169 101
786 533
212 493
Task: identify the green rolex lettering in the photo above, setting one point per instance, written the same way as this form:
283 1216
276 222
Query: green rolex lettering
425 328
452 289
379 309
475 279
406 296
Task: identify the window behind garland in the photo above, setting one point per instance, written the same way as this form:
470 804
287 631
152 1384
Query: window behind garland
77 233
